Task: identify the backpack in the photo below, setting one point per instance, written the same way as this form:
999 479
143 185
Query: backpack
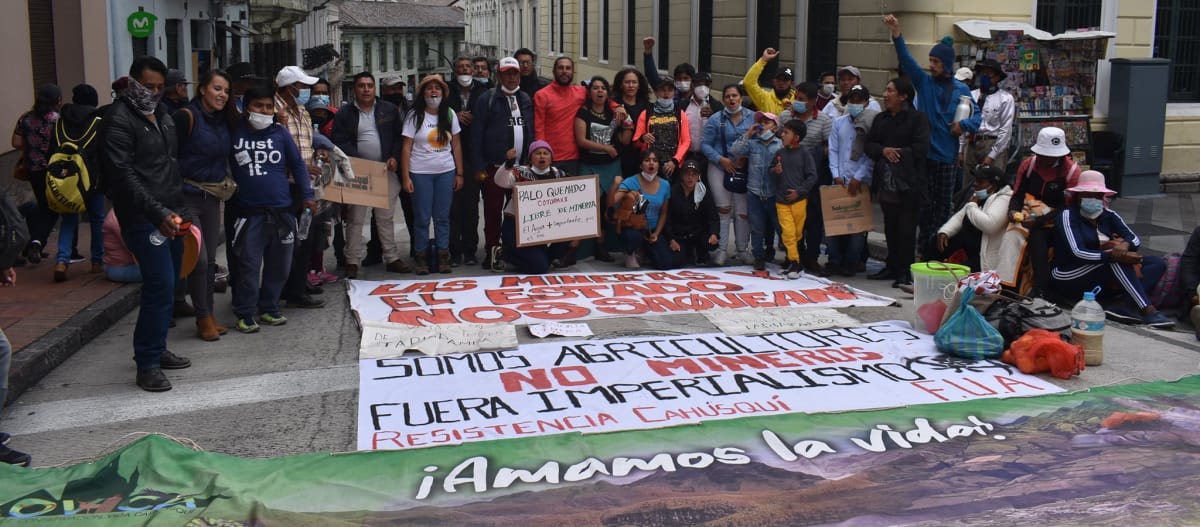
14 234
1168 292
1014 315
67 177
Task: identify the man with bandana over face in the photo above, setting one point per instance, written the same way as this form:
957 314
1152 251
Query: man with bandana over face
146 189
774 101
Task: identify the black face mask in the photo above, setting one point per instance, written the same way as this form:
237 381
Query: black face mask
395 98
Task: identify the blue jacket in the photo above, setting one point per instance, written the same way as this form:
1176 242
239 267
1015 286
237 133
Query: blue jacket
938 99
260 162
762 155
1077 242
204 149
712 147
492 129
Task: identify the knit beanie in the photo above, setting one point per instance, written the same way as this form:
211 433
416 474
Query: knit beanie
944 51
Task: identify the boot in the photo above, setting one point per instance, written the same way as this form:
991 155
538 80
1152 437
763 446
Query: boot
60 272
206 329
221 330
444 261
421 264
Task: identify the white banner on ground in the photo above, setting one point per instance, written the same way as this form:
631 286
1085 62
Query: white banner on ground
526 299
774 320
381 340
592 386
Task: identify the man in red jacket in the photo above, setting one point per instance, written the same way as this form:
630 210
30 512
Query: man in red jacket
554 110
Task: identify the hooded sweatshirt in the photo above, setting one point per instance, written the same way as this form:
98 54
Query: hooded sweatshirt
260 162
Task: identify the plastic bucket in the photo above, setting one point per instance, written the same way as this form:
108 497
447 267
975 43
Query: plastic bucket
930 295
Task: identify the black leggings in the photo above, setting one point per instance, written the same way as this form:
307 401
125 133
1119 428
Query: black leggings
900 228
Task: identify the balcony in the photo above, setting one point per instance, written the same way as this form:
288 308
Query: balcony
268 16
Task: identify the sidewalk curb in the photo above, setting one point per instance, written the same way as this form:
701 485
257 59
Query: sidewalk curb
38 359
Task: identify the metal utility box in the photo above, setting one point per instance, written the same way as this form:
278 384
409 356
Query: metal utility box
1137 110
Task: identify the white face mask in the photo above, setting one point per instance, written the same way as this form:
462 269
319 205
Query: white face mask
433 102
539 171
649 177
259 121
465 80
701 93
827 89
683 86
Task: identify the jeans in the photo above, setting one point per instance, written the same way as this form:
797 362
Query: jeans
70 225
159 265
262 254
846 251
693 250
432 194
736 206
763 222
814 227
659 251
125 274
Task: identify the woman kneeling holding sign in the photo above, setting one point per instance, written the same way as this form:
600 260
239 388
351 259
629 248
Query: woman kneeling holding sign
533 259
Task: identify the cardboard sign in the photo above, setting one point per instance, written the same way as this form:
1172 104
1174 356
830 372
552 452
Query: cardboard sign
845 214
368 185
557 210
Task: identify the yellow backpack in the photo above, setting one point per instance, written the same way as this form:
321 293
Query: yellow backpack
67 177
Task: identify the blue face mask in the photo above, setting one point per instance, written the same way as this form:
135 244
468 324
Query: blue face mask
1091 208
302 98
766 136
981 194
854 109
985 83
733 111
799 107
664 104
323 100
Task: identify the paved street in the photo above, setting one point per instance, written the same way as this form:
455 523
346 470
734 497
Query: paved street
293 389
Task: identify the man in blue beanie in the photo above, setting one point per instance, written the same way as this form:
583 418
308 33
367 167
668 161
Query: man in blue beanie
938 93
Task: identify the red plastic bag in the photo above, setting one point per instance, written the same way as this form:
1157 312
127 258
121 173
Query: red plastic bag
1039 351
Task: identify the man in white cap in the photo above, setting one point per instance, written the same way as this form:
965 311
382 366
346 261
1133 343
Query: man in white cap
503 123
1095 247
293 87
848 77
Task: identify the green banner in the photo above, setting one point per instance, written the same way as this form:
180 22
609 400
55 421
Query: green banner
1109 456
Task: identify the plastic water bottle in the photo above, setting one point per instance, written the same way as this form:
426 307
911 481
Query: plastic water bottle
304 223
157 238
1087 328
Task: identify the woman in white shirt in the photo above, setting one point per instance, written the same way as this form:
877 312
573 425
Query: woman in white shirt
431 168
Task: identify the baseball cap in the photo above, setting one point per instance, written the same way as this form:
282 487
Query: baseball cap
964 74
785 73
851 70
174 77
691 164
859 89
242 71
509 63
665 81
392 81
991 173
290 75
768 115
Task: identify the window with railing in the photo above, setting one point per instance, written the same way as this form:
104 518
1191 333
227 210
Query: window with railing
1177 37
1057 16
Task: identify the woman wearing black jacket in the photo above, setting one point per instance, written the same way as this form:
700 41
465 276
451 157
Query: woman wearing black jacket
897 142
692 223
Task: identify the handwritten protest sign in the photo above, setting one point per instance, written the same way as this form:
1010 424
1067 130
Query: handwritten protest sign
381 340
632 383
557 210
771 320
526 299
369 186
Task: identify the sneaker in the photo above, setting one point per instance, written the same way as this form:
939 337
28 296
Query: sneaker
793 270
153 380
33 252
183 309
497 259
719 257
60 272
1158 320
470 259
1122 314
77 258
631 262
171 361
4 438
313 279
273 319
306 301
760 264
327 277
15 457
247 325
744 257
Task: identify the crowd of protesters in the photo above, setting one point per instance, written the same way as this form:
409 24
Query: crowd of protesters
728 176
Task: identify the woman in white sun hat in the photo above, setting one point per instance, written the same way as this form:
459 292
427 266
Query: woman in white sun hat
1039 195
1094 247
